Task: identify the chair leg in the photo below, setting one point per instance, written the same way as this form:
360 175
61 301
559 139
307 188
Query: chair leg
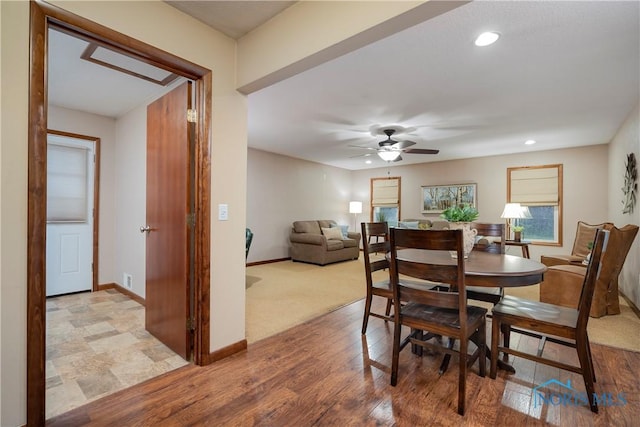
367 311
447 357
482 346
587 370
506 339
388 309
462 377
593 371
397 326
495 337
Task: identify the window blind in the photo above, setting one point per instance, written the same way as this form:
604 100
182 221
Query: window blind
385 192
66 183
535 186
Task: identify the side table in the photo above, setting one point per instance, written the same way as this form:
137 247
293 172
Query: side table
524 244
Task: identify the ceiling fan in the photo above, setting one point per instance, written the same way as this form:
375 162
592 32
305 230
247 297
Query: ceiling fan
389 150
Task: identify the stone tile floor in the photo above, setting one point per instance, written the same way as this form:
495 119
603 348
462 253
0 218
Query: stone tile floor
97 345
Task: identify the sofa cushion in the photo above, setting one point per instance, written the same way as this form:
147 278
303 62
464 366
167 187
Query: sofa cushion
306 227
335 245
408 224
343 228
327 223
350 243
332 233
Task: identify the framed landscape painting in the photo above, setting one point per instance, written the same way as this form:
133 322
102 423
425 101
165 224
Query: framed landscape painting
437 198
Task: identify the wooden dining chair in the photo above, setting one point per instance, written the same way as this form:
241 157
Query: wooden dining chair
553 323
379 288
487 242
441 312
491 239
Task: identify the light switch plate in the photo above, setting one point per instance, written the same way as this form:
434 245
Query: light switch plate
223 212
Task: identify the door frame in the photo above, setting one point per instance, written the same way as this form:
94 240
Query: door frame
42 16
96 199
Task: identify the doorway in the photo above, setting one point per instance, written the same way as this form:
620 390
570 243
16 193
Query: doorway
72 190
44 16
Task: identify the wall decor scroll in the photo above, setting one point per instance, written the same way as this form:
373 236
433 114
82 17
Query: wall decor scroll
437 198
630 188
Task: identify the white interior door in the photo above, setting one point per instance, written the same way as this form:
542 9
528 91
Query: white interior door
70 193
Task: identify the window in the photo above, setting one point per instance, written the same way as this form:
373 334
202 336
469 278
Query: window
540 189
67 169
385 200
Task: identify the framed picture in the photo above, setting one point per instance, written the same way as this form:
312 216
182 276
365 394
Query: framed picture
437 198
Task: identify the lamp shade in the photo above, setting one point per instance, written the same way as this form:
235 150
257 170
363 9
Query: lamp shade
512 210
388 156
355 207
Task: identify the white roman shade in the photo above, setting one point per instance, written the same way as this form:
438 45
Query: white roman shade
385 192
535 186
66 184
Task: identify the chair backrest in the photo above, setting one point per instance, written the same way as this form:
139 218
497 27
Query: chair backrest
248 238
620 240
585 234
379 230
440 266
594 270
486 229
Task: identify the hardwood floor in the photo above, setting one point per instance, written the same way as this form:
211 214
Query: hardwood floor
326 373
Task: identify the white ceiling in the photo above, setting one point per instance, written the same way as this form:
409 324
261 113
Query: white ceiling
563 73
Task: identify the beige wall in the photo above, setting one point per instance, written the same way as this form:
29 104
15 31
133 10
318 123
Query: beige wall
627 140
490 173
281 190
146 21
130 169
13 193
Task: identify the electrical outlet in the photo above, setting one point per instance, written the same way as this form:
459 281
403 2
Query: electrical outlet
127 280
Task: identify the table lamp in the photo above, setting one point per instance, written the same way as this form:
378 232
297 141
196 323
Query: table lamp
514 211
355 208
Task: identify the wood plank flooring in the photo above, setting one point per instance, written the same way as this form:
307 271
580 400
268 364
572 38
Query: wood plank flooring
325 373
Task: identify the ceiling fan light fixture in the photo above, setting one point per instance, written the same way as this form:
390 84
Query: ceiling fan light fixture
487 38
388 156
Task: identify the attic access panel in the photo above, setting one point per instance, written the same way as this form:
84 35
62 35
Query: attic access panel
116 61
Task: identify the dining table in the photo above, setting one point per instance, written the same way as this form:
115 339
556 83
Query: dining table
485 269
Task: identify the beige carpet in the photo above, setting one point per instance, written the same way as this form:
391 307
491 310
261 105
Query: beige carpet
284 294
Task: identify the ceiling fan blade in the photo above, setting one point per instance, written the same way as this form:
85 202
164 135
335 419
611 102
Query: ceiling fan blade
397 159
361 155
363 147
403 144
421 151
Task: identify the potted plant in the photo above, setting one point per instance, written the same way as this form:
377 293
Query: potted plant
460 213
460 217
517 232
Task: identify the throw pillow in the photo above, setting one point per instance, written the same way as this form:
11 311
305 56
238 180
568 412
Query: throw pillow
332 233
343 228
408 224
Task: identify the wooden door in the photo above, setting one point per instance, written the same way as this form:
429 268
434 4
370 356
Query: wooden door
168 204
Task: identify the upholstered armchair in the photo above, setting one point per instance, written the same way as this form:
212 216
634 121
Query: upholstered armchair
584 236
562 284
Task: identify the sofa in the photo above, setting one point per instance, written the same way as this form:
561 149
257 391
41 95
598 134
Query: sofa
323 242
423 224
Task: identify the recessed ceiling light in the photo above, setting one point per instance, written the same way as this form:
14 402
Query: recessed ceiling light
485 39
368 162
530 142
